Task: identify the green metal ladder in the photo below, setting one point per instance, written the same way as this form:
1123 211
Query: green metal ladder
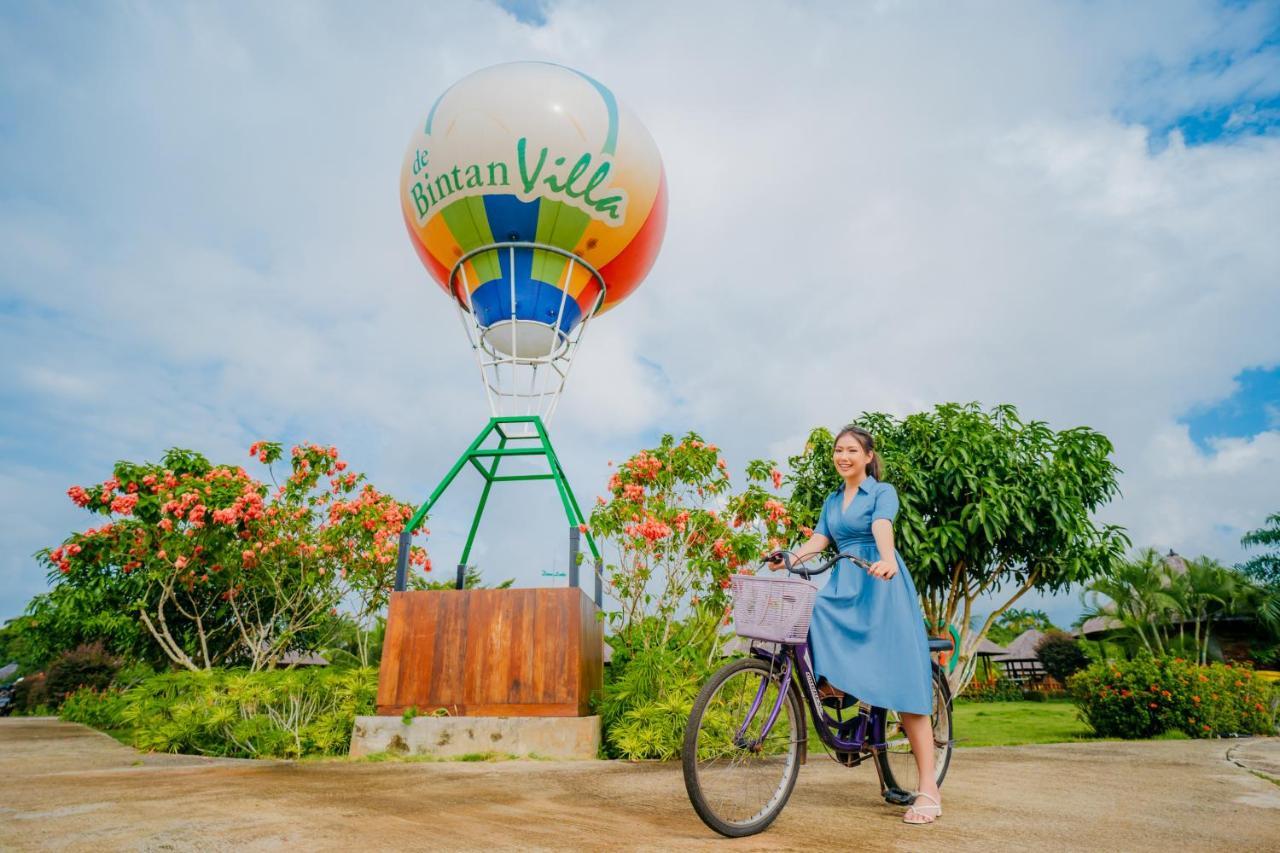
510 443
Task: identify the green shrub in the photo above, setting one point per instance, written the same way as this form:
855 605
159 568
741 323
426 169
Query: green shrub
31 695
84 666
1061 655
998 689
649 692
1266 656
100 709
269 714
1148 696
131 675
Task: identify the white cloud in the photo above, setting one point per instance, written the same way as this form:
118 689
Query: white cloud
872 207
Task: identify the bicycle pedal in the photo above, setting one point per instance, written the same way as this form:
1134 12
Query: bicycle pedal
898 797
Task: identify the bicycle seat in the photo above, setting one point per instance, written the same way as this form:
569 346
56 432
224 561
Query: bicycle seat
940 644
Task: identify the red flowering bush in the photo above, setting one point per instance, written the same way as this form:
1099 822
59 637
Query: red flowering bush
227 570
678 534
1146 696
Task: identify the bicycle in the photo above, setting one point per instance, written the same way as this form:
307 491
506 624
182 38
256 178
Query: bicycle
747 734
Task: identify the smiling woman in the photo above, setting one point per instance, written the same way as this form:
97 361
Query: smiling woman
866 632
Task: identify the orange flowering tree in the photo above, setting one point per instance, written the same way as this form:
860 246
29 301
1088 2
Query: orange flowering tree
677 532
224 569
678 535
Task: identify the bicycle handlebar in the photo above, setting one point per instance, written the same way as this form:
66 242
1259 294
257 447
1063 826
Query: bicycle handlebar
788 563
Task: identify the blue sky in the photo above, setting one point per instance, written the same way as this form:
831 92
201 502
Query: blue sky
533 12
1252 408
1066 206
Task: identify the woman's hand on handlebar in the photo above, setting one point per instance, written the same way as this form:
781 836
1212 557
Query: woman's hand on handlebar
883 569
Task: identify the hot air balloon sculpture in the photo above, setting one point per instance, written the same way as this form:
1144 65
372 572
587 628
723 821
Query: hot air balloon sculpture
537 201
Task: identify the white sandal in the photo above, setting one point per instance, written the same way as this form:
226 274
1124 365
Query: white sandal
927 813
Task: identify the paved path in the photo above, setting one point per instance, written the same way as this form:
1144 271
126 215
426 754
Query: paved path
66 787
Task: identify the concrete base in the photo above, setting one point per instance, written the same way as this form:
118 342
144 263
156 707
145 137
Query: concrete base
540 737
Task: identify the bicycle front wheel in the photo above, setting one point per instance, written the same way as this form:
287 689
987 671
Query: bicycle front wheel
739 770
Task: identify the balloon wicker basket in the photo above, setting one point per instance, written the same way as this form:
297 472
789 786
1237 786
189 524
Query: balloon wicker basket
524 339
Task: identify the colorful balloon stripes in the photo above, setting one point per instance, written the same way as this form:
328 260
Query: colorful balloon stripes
534 153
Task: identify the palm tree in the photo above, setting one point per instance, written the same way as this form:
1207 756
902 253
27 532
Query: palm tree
1211 591
1138 595
1151 595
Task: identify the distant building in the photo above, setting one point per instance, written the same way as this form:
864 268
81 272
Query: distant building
1020 661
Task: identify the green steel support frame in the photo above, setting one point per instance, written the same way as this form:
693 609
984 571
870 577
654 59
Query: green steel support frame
486 462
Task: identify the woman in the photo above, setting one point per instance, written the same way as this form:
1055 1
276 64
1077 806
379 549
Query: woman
867 634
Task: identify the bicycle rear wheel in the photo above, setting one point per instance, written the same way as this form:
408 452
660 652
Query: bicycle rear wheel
738 776
897 762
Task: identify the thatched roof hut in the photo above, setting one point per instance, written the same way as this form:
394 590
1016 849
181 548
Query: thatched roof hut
1097 626
1020 660
988 649
1023 647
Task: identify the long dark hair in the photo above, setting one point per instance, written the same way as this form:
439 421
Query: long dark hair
868 446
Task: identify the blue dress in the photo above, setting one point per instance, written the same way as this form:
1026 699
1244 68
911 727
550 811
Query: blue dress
867 635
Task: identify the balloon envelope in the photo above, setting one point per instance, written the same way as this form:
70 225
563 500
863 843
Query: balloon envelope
531 152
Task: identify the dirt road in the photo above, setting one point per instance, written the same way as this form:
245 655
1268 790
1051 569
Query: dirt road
66 787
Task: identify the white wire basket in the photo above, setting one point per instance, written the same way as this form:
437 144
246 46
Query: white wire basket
524 364
773 609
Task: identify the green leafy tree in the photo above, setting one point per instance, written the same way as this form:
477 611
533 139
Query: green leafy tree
1061 655
65 618
991 505
1264 567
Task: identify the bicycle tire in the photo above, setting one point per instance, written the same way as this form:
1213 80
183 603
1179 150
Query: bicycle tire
689 752
942 701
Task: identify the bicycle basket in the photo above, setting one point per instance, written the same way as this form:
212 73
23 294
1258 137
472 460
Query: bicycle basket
774 609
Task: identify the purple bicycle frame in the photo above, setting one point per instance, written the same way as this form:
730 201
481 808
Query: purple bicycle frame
848 737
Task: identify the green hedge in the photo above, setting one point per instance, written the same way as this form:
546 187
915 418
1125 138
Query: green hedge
1149 696
998 689
280 714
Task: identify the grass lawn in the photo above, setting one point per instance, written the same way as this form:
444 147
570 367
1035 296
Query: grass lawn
1010 724
1013 723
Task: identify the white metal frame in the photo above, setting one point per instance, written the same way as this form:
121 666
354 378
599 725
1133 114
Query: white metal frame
530 384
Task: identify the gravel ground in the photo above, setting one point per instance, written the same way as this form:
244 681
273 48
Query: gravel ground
66 787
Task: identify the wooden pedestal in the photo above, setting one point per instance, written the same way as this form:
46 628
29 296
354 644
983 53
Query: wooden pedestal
491 653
